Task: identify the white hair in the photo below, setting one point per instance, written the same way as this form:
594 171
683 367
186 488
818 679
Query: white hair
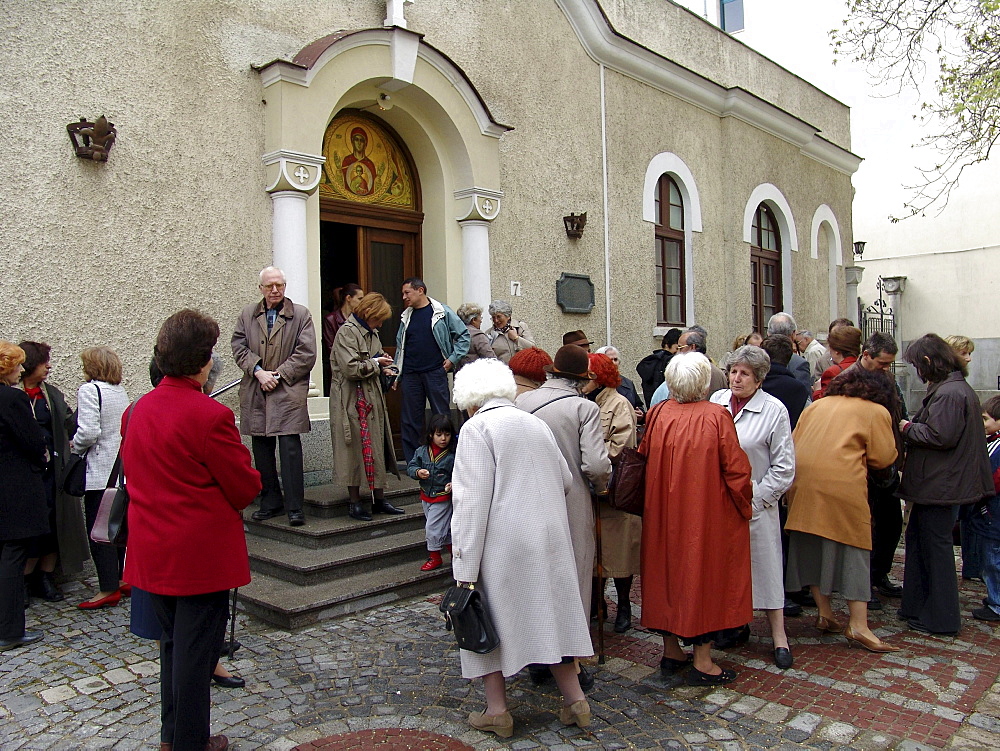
607 349
272 268
482 380
781 323
687 376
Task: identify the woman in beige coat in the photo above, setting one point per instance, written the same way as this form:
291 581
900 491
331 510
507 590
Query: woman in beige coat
621 533
358 416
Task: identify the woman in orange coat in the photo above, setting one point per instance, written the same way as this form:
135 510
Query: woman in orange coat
695 560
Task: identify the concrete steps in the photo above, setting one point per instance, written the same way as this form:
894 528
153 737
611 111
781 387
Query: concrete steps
334 565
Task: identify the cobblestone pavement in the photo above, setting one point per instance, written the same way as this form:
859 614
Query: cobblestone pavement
352 682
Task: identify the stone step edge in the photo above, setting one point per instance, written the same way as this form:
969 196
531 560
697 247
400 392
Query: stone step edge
408 540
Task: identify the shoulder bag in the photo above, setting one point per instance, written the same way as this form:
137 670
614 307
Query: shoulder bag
111 525
627 489
466 613
75 476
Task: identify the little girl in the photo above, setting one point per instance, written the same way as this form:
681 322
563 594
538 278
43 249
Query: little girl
432 465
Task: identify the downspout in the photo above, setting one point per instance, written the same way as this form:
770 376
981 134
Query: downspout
607 221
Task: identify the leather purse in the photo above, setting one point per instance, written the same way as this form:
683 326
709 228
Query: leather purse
111 524
627 489
466 613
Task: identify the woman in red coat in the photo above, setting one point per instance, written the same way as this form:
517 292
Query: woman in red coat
189 477
845 347
695 560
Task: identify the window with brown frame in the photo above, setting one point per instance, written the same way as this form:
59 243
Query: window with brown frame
670 282
765 268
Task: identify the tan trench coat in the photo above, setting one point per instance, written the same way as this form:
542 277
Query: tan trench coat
576 424
621 533
504 348
351 365
290 349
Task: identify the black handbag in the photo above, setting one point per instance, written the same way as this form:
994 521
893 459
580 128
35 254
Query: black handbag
465 611
75 473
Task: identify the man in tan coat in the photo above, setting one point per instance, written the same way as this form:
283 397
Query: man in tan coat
274 344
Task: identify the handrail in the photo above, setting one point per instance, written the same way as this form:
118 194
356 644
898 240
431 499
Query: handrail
225 388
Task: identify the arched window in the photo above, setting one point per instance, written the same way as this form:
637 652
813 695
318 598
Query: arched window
670 283
765 268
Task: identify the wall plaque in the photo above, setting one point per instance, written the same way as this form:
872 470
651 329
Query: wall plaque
575 293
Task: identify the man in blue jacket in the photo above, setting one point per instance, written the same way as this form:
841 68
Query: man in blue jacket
430 342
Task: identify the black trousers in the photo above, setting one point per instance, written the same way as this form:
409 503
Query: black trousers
193 629
887 523
292 482
930 582
13 554
109 560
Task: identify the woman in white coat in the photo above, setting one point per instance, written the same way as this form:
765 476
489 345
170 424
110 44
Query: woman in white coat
765 435
507 462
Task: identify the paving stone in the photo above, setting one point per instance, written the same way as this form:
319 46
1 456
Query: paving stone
58 694
839 733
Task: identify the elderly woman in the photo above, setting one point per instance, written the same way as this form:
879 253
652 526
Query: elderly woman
66 540
837 440
507 335
101 402
695 560
626 388
472 316
844 343
359 422
23 513
533 597
189 479
946 466
528 367
765 435
621 533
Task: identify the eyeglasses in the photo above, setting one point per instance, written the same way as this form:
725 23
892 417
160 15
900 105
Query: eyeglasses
685 347
275 287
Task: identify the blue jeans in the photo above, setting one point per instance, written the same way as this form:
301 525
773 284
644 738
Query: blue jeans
989 550
418 389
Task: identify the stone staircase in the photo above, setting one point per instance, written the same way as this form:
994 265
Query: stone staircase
334 564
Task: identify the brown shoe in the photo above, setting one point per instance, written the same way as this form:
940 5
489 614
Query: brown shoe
166 746
829 626
502 724
872 645
577 713
217 743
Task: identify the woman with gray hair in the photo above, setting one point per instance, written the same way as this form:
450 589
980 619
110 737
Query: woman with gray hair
695 557
472 316
507 335
533 601
766 436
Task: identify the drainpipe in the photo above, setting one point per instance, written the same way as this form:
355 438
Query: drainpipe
607 222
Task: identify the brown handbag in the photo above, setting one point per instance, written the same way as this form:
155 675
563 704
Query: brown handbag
627 489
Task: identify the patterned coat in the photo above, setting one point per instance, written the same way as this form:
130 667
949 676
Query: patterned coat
98 430
510 535
576 424
351 365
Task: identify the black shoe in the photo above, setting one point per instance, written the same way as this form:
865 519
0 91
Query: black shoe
262 516
43 585
226 647
296 518
918 626
803 598
792 609
669 666
985 613
886 588
586 679
695 677
874 603
783 657
359 512
29 637
232 681
539 674
733 637
623 621
384 507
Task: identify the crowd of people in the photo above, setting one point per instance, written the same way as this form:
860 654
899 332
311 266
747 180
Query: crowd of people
773 481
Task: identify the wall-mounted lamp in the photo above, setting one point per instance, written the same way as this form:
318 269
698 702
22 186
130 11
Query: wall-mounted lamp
384 101
859 248
97 138
575 224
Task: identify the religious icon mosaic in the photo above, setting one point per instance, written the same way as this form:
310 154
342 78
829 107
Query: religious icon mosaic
365 164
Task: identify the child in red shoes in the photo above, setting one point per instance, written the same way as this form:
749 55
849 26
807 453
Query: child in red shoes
432 465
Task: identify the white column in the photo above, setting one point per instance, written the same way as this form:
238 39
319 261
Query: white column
288 242
476 262
852 276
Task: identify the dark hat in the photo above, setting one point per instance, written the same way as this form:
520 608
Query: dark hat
571 361
577 338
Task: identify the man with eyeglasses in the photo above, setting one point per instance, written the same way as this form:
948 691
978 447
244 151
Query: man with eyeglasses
694 339
274 344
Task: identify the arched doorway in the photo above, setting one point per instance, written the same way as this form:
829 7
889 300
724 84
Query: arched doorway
370 217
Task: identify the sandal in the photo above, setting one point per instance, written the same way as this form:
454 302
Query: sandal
695 677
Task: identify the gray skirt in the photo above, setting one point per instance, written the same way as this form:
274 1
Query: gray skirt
831 566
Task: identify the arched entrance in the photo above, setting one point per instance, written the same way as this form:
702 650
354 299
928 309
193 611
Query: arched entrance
370 217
